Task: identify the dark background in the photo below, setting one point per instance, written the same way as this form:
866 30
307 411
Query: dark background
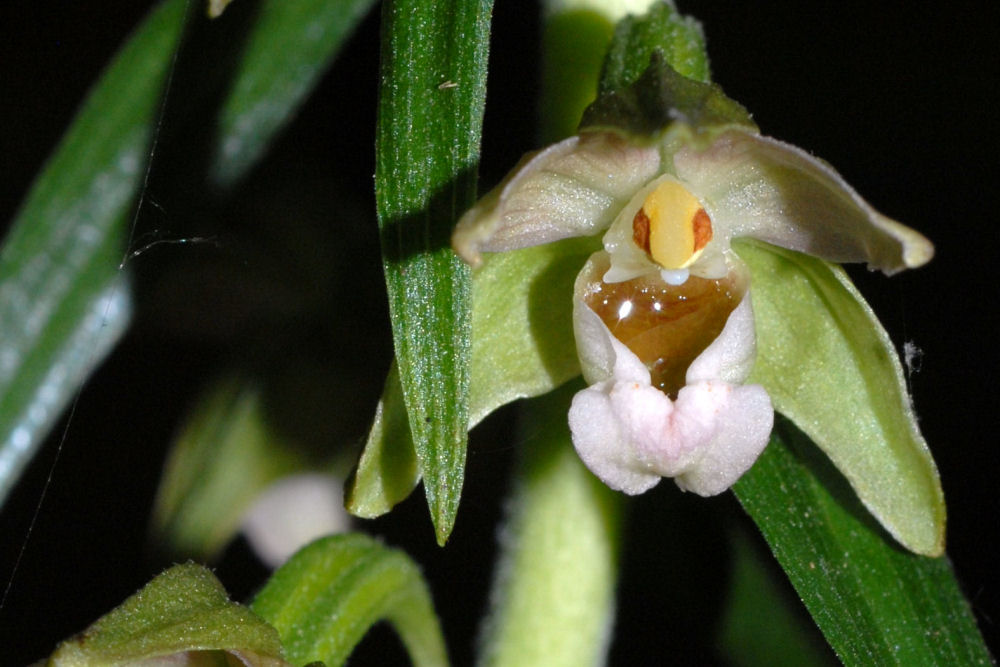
901 98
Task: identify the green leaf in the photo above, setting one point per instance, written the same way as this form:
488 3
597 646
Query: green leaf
523 347
662 99
185 609
63 301
678 39
330 593
852 399
291 44
224 456
433 89
550 604
875 603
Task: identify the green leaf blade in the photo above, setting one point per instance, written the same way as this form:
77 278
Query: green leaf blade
427 149
329 594
63 302
875 603
852 399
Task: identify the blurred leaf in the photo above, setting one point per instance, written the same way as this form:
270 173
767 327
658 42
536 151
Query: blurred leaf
63 302
760 626
550 604
803 304
185 609
291 44
434 57
330 593
875 603
224 456
523 347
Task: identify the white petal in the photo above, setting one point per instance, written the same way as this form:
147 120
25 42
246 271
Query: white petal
743 418
293 512
762 188
630 434
601 445
573 188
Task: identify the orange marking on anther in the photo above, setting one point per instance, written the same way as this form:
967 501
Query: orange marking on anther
702 226
640 230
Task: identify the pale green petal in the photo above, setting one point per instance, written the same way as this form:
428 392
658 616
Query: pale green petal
522 324
830 367
387 470
772 191
573 188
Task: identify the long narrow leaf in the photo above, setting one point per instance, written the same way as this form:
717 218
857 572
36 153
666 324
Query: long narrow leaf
63 303
876 603
427 149
330 593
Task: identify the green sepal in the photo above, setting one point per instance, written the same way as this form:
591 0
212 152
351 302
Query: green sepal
523 346
185 609
663 99
875 603
327 596
830 367
387 471
678 39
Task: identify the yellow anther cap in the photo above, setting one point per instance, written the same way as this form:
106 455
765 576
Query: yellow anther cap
672 227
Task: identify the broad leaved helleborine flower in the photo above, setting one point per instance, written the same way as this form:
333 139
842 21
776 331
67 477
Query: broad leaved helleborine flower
663 314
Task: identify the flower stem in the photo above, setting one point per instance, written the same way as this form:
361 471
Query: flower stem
552 601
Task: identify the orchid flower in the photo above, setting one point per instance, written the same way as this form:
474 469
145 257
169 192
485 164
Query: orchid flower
662 315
